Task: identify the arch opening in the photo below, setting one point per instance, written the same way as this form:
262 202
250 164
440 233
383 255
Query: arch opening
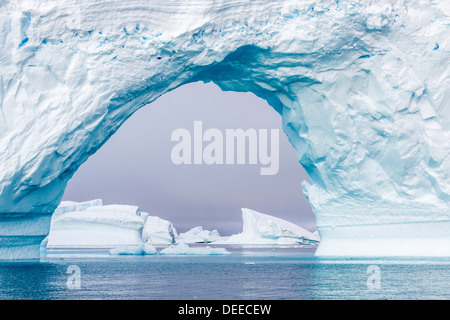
135 165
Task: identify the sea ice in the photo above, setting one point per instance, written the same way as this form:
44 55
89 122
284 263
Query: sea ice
142 249
149 249
184 249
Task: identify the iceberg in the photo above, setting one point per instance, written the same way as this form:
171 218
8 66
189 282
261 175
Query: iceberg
21 235
260 228
149 249
127 250
73 206
184 249
142 249
198 235
158 231
362 90
97 227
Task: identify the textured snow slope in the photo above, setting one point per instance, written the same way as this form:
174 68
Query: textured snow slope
260 228
363 90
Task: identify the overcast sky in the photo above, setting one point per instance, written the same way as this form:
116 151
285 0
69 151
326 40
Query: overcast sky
135 167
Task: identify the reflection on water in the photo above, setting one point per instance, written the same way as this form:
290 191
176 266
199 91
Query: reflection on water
248 273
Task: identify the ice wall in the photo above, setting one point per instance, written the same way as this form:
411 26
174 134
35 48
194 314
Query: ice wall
90 226
362 88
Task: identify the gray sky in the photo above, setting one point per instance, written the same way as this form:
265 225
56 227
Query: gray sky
135 167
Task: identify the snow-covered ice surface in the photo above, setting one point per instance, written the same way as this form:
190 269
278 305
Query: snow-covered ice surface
362 88
185 249
260 228
198 235
73 206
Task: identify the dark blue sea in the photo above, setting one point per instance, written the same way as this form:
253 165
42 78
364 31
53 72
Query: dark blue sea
291 273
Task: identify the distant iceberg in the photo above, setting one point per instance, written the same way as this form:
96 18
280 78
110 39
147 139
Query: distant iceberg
198 235
260 228
90 225
184 249
142 249
158 231
124 229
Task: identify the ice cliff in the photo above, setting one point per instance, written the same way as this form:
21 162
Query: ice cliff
363 90
90 225
158 231
198 235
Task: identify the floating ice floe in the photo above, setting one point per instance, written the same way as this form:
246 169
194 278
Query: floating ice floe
142 249
184 249
198 235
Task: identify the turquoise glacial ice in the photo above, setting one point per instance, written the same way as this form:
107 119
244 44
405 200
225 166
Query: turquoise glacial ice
363 91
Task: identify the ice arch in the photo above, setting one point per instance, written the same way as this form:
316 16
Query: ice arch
363 91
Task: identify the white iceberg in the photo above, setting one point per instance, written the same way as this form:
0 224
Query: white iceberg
158 231
97 227
198 235
142 249
127 250
260 228
149 249
184 249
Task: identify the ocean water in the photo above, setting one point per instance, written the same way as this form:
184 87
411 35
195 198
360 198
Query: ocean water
291 273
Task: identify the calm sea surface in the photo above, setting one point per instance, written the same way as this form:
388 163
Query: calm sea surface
247 273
